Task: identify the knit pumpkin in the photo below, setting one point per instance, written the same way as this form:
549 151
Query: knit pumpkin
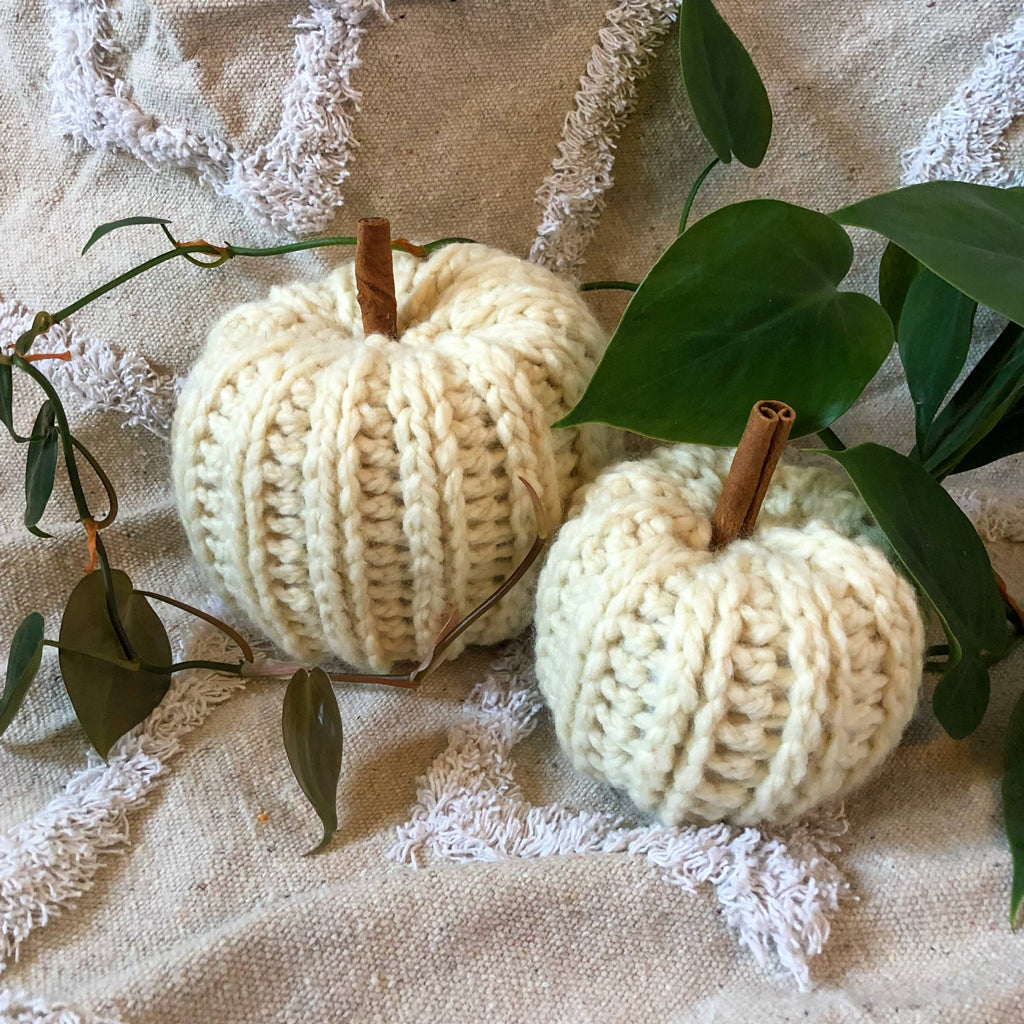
744 684
345 491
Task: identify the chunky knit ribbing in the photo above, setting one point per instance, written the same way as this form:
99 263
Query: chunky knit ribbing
742 685
346 491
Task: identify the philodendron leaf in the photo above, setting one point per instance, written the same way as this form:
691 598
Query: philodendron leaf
1013 803
22 665
934 338
1006 438
743 305
7 397
942 553
896 274
41 465
991 390
110 699
114 225
311 725
725 90
970 235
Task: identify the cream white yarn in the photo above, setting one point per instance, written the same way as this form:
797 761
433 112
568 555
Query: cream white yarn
346 491
741 685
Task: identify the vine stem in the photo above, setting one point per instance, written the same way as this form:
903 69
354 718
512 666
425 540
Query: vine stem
597 286
695 188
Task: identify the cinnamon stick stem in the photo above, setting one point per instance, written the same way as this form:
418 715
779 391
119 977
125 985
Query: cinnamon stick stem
375 277
758 454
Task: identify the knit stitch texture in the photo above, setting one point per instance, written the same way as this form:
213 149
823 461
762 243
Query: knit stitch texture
742 685
347 492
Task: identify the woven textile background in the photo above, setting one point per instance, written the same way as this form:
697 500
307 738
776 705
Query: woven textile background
212 914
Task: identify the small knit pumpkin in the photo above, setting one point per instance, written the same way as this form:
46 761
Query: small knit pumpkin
744 684
346 491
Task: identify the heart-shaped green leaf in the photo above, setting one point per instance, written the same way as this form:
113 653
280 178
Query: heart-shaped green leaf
934 338
896 273
1006 438
991 390
110 699
311 725
1013 803
970 235
725 90
114 225
943 555
743 306
41 465
22 665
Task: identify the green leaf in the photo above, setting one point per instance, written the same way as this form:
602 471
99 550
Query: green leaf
7 398
991 390
311 724
970 235
1013 803
41 465
725 90
943 555
934 338
114 225
742 307
22 665
1006 438
111 699
896 273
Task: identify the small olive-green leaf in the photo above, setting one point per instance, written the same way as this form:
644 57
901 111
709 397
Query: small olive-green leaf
1006 438
41 465
1013 803
896 273
744 304
970 235
991 390
114 225
111 699
311 725
728 97
943 554
22 665
934 338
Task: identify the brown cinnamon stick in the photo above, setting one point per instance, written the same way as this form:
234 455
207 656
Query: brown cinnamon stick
756 457
375 277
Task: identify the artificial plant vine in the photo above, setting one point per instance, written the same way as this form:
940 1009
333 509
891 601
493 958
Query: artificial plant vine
747 302
114 651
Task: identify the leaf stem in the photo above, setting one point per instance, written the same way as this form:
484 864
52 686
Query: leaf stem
695 188
830 440
597 286
101 524
234 635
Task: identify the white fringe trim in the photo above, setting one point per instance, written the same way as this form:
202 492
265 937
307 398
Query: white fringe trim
19 1008
777 890
47 863
293 182
100 378
573 194
996 516
965 141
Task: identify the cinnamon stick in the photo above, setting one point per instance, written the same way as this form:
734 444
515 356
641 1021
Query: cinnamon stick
758 454
375 277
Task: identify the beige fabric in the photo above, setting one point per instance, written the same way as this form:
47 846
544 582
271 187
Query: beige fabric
214 915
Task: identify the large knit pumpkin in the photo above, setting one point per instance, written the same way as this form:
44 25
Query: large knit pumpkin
345 491
742 684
